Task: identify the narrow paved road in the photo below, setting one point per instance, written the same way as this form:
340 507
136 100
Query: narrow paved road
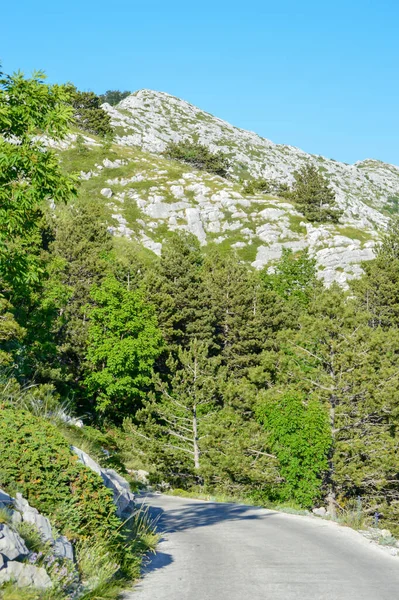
212 551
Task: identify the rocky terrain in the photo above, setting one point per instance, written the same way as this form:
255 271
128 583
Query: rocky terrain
147 196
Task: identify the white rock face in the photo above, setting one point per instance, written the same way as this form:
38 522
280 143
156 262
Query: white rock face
32 515
214 209
154 119
124 499
12 546
25 575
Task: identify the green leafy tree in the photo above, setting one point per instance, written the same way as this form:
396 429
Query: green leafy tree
313 196
11 334
199 156
294 277
30 175
300 437
123 343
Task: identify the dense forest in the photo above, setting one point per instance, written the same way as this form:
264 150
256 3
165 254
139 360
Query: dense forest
207 373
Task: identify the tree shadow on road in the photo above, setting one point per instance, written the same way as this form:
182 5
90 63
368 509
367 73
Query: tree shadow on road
156 561
202 514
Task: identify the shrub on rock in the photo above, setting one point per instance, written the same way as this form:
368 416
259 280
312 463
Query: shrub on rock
199 156
36 460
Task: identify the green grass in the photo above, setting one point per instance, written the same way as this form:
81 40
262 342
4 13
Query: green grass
5 516
355 234
31 536
286 507
132 213
249 253
296 224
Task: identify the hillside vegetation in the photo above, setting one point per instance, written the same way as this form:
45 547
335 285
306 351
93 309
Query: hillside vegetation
121 301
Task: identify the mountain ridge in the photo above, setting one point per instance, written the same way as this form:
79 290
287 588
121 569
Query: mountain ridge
148 196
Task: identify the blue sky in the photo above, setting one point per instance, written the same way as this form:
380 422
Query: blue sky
321 76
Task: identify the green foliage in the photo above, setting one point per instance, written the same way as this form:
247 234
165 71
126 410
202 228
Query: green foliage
313 196
36 461
30 535
29 175
11 333
378 290
199 156
123 344
246 313
257 186
10 591
88 113
113 97
301 439
294 277
97 563
352 369
176 287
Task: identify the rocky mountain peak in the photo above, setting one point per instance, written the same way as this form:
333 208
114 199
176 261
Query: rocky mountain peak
170 196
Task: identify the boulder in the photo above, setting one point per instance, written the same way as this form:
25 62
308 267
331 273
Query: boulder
16 518
86 460
141 476
1 561
319 512
5 499
123 496
25 575
12 546
106 192
385 533
32 515
63 548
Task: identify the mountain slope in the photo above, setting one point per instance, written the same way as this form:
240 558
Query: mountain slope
146 196
151 119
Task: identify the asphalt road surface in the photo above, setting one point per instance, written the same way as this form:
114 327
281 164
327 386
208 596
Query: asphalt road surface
213 551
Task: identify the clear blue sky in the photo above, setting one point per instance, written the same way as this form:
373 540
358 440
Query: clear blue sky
319 75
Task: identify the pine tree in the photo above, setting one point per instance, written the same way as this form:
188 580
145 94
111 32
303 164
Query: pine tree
313 196
352 370
246 313
173 427
177 289
377 290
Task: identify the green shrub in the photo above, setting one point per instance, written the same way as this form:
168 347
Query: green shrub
199 156
257 186
36 460
113 97
89 115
